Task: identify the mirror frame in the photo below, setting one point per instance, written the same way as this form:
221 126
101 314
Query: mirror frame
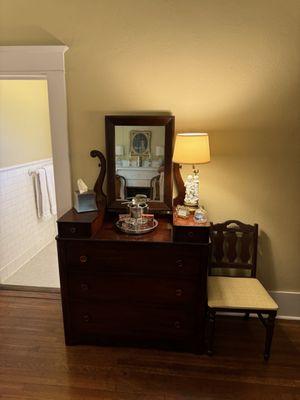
140 120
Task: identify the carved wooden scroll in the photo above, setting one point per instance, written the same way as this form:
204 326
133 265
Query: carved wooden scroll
100 195
179 185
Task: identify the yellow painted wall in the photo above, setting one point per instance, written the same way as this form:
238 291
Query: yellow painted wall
226 67
24 122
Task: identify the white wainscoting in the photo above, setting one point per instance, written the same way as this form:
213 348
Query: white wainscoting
22 233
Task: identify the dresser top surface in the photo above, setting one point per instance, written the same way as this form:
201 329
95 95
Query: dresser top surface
97 227
109 232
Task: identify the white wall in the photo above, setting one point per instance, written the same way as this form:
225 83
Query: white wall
22 234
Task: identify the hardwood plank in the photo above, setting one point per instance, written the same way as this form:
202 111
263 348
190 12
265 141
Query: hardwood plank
212 390
35 364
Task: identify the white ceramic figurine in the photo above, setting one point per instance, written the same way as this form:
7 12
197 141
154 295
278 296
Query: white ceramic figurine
192 190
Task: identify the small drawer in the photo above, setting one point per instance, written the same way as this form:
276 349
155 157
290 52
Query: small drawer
191 234
134 289
73 230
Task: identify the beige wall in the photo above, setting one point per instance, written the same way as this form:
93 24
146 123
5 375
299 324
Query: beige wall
229 68
24 122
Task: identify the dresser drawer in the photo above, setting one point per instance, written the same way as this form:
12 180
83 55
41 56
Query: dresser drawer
73 230
191 234
127 258
123 320
134 289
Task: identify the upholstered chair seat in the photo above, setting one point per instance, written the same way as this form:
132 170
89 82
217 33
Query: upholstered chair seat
235 293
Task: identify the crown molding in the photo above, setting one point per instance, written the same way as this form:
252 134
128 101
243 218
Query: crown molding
25 59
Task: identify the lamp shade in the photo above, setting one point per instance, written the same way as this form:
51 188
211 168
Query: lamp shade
119 150
191 148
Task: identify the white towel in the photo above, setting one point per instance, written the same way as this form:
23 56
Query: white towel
51 188
38 196
42 197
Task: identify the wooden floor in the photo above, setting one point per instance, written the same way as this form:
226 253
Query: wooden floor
36 365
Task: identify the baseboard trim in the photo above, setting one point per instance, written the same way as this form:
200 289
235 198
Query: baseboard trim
29 292
288 303
232 314
287 317
23 288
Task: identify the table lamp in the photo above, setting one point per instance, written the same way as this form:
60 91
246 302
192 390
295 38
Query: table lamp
190 148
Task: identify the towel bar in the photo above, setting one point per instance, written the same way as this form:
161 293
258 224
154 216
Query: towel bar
34 171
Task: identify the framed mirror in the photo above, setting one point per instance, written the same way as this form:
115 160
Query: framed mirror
139 160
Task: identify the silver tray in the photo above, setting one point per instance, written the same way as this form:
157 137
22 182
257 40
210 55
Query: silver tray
119 225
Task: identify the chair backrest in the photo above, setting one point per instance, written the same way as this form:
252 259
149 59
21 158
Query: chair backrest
154 188
121 187
234 246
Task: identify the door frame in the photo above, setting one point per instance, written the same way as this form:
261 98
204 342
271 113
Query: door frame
46 62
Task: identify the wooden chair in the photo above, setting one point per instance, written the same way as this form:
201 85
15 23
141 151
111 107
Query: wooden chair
121 187
155 188
234 247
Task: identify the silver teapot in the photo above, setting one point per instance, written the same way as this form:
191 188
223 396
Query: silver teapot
138 206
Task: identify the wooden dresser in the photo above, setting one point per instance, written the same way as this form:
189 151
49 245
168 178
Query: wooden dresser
119 289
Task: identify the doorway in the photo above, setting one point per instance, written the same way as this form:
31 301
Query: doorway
28 208
35 76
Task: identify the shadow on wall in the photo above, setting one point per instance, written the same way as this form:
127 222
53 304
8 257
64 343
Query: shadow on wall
35 36
265 260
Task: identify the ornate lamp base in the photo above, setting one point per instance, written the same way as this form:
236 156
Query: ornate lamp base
192 190
188 191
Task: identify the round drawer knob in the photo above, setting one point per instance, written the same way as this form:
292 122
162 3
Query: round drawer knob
177 325
190 234
73 230
86 318
83 259
179 263
84 287
178 292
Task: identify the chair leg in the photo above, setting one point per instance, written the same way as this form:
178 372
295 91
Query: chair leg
269 334
211 330
246 316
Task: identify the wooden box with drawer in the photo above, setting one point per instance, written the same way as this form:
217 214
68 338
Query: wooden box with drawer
187 230
76 225
145 290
